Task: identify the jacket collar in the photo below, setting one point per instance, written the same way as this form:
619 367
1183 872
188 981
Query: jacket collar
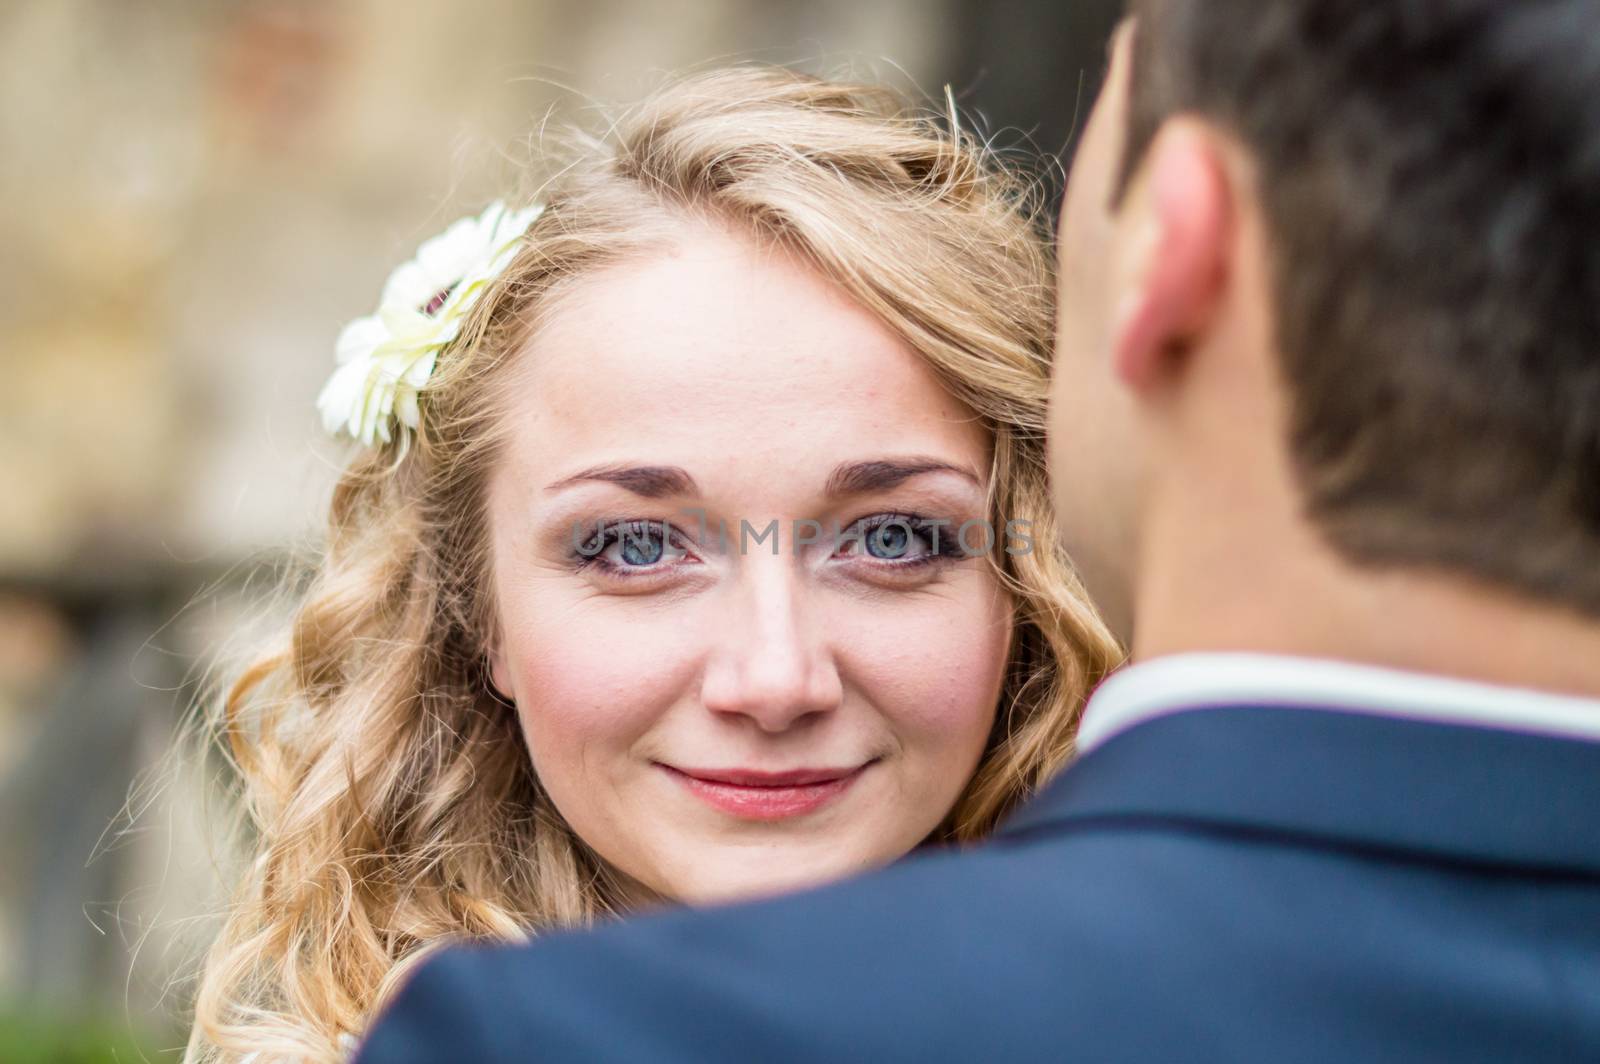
1180 681
1321 775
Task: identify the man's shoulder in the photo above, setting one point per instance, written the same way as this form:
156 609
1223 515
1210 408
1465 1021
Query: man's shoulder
1033 937
1233 883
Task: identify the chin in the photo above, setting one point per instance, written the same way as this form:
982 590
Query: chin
763 874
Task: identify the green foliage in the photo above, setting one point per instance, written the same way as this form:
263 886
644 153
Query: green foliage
54 1038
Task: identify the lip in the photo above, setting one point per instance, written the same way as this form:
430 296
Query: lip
751 794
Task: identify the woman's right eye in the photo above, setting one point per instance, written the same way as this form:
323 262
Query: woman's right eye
632 547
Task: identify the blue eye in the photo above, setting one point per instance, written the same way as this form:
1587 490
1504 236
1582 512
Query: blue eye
901 541
628 545
644 548
890 540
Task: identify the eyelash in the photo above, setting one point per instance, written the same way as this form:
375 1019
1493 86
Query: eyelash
598 541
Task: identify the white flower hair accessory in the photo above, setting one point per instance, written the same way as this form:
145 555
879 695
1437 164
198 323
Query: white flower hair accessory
385 358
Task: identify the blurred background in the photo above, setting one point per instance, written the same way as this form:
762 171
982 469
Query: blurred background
194 196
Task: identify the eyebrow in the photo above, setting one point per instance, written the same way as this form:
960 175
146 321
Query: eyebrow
848 478
650 482
858 478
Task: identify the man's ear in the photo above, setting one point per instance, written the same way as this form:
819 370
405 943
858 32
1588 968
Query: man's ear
1172 252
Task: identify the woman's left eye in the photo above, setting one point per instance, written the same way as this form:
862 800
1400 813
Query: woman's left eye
899 539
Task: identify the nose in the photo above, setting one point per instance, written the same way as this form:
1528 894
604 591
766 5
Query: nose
771 664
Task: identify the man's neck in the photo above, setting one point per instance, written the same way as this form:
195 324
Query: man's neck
1228 560
1308 604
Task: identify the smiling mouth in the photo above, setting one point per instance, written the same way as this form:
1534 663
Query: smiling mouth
753 795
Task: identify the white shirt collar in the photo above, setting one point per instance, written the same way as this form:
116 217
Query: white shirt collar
1165 685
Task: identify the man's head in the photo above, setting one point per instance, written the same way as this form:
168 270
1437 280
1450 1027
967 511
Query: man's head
1329 264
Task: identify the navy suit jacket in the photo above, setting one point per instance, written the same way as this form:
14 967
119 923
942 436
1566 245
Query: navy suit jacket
1225 884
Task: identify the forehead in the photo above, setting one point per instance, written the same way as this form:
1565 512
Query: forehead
719 355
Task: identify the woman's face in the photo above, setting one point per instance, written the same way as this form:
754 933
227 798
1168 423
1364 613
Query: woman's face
726 716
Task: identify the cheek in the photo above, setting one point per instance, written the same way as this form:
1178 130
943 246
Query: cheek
932 668
590 683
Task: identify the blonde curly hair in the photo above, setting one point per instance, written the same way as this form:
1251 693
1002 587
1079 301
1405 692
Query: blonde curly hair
393 802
